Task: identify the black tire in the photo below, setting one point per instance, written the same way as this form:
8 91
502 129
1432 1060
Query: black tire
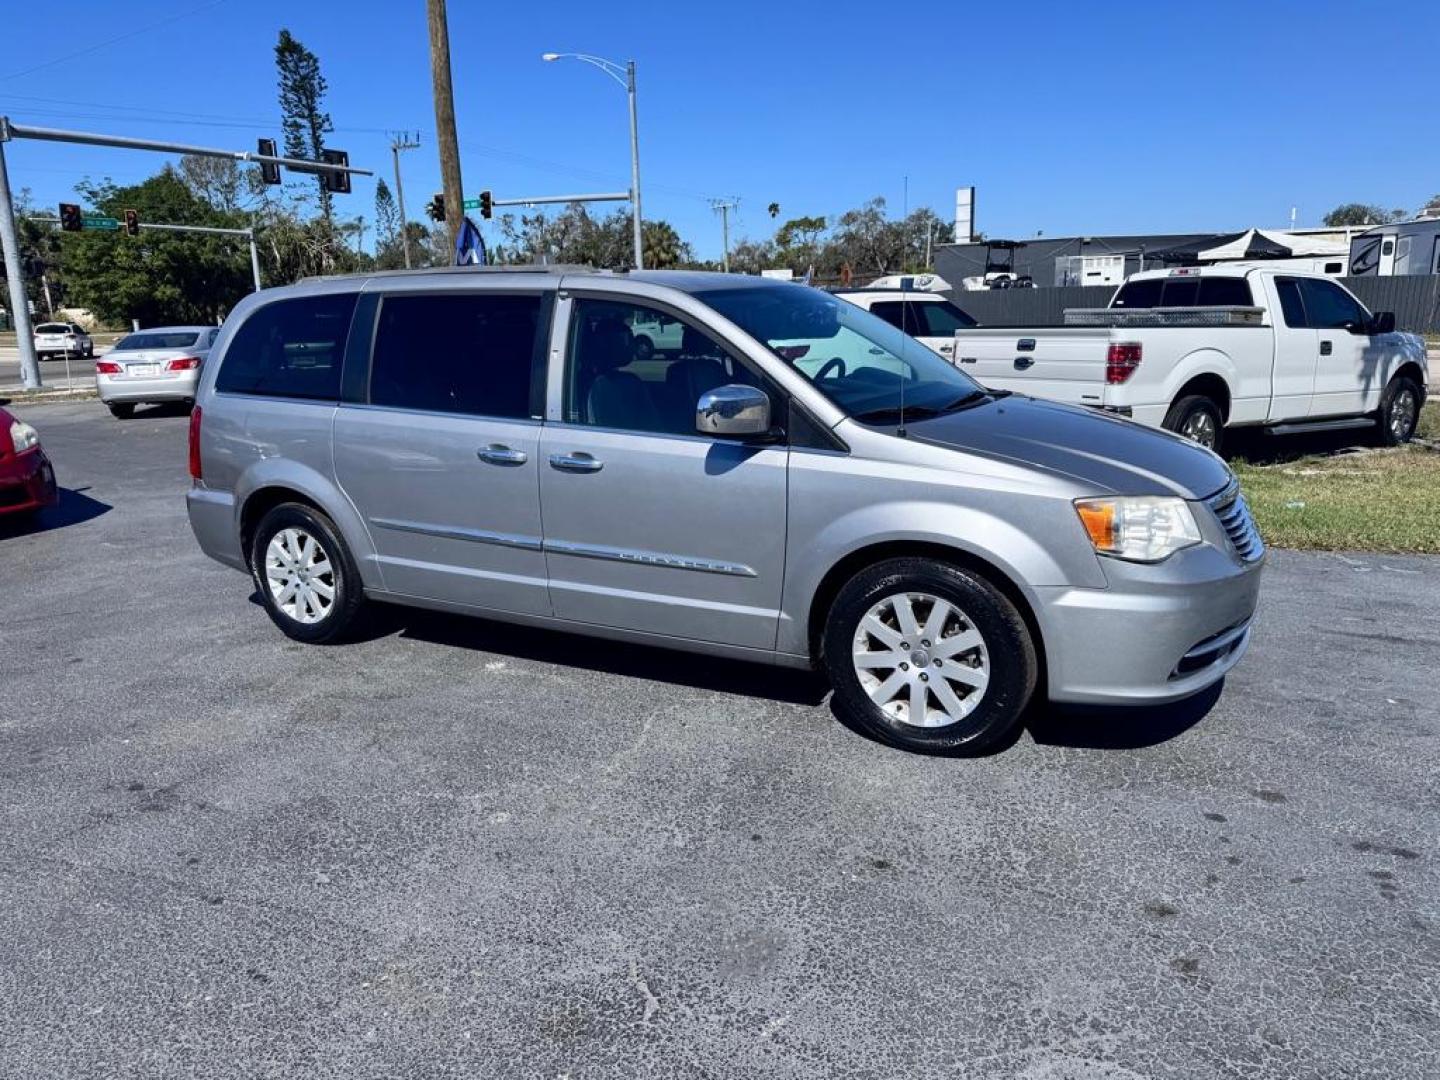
122 410
644 347
1395 423
1013 667
344 615
1197 418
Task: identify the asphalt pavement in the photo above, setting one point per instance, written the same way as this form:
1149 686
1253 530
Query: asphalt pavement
460 849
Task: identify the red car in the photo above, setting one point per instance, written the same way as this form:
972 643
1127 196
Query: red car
27 479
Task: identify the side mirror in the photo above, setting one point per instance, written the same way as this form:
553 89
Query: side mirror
1382 322
733 410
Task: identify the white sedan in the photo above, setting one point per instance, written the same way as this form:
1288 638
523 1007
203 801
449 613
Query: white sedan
158 365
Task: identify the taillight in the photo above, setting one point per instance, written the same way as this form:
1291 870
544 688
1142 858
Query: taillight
195 444
1121 362
183 363
108 367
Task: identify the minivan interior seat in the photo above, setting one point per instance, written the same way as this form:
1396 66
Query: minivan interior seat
614 398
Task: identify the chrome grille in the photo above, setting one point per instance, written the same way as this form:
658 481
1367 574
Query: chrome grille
1234 517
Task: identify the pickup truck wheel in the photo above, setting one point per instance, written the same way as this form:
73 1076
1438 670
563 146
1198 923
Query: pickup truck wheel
305 575
1399 412
928 657
1197 418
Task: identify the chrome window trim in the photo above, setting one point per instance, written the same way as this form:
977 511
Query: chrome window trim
450 532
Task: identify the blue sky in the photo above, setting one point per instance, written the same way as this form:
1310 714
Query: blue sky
1070 119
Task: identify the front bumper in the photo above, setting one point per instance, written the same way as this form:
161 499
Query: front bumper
179 386
27 482
1159 633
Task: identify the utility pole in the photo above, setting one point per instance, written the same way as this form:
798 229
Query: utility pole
634 168
724 208
445 119
403 141
19 303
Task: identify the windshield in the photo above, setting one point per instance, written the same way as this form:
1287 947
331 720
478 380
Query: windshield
858 361
156 341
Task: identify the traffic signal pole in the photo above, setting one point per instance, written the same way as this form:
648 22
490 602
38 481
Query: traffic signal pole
19 302
208 230
9 237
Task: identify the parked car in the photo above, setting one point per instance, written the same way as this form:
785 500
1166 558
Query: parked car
54 339
152 366
802 484
926 316
27 479
1202 350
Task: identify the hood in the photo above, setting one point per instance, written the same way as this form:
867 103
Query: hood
1104 453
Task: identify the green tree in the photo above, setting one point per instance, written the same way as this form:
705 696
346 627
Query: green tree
662 246
388 255
302 115
1352 214
218 181
157 277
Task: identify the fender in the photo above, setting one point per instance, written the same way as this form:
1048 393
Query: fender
968 531
1205 361
280 472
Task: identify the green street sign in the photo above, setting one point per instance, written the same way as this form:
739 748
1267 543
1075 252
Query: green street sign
471 204
107 224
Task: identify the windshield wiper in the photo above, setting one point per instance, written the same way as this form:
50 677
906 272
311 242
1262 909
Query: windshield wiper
974 397
894 412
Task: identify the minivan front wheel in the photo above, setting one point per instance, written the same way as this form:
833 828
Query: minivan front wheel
929 657
305 575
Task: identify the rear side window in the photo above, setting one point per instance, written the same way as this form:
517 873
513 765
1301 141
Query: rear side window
1290 303
291 348
466 353
943 319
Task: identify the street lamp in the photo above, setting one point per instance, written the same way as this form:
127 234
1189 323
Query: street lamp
625 76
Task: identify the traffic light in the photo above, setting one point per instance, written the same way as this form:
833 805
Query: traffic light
269 171
132 223
70 217
487 205
435 208
337 182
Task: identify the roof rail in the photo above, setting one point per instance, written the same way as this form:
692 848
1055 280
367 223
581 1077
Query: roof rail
423 271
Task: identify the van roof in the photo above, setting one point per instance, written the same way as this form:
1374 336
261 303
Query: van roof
691 281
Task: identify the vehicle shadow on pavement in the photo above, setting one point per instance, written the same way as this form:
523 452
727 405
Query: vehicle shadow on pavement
74 508
1258 448
596 654
1093 727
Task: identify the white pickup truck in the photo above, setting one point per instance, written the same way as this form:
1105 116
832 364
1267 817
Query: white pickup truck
1199 350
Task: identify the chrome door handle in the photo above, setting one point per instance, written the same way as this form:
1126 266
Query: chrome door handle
498 454
576 462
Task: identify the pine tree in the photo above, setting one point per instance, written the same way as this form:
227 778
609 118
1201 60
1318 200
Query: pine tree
303 119
387 216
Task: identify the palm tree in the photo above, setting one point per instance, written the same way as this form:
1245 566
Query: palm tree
662 245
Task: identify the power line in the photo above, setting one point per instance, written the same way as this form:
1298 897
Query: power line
112 41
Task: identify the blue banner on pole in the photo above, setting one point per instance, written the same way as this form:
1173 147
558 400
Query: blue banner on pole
470 245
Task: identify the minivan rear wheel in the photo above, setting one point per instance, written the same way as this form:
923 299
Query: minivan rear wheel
305 575
929 657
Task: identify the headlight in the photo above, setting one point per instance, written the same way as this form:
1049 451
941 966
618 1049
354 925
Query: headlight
1139 528
23 436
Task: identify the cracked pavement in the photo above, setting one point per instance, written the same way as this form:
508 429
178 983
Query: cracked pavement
464 849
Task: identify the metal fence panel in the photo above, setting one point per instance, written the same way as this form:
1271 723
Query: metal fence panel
1415 300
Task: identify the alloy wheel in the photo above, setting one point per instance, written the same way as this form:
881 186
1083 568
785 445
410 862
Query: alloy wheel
1199 427
1402 414
299 575
921 660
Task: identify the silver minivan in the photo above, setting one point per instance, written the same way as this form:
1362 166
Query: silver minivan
797 483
